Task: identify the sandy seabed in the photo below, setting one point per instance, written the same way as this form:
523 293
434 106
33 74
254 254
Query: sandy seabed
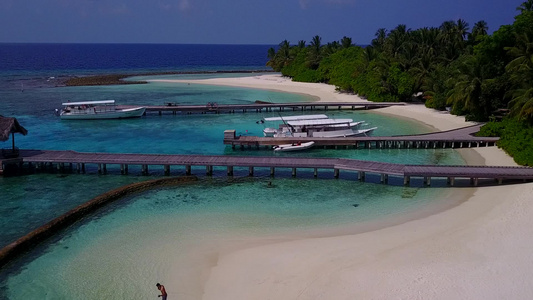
479 249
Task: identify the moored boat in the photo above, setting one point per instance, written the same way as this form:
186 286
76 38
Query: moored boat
293 147
97 110
297 118
315 126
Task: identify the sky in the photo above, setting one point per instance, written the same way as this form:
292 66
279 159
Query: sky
233 21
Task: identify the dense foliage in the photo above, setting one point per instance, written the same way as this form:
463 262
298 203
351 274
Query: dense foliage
516 137
467 71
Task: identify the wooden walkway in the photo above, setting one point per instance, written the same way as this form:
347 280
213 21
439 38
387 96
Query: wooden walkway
63 160
214 108
458 138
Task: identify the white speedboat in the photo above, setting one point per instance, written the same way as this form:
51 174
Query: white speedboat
97 110
315 126
296 118
293 147
344 133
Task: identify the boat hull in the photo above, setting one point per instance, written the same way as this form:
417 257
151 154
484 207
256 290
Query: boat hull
116 114
293 147
343 133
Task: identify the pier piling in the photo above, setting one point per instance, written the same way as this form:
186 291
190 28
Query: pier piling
230 170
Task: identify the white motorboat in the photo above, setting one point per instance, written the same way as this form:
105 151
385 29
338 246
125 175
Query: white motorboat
296 118
293 147
344 133
303 126
97 110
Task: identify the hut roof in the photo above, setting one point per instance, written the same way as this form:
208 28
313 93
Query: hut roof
8 126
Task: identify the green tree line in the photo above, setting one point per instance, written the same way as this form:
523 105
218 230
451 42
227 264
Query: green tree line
453 66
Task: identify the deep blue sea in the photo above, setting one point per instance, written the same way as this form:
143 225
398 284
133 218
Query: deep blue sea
82 58
208 214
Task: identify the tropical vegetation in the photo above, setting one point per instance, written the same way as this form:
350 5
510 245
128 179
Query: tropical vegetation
454 67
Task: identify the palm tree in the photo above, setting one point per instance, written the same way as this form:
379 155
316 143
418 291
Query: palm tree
447 28
301 44
395 40
316 43
346 42
422 68
314 55
526 6
369 54
521 103
523 53
427 40
480 29
451 39
466 92
409 55
461 29
281 58
379 42
330 48
521 70
401 29
435 87
271 56
284 53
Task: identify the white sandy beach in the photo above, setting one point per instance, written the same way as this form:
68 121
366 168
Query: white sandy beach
480 249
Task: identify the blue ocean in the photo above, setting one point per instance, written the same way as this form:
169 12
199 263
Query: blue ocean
193 221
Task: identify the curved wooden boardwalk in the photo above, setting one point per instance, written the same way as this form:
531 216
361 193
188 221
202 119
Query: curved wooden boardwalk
457 138
42 158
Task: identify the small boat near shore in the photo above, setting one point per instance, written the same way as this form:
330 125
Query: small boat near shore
97 110
293 147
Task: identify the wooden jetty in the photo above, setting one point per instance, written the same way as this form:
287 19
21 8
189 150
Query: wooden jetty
213 107
457 138
68 160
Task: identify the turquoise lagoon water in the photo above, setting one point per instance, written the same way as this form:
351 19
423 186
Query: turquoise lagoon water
171 235
72 265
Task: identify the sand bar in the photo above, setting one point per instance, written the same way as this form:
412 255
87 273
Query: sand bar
480 249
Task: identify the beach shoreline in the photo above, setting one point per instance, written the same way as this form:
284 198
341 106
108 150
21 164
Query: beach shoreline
457 252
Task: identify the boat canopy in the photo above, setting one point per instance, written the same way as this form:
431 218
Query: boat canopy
295 118
89 103
319 122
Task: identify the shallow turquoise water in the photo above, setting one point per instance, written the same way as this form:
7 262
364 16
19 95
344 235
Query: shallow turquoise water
181 134
123 250
215 209
30 201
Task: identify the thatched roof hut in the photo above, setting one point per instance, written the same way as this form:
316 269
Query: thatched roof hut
10 126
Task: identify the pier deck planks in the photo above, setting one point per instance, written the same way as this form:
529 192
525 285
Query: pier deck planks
493 172
463 135
259 107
